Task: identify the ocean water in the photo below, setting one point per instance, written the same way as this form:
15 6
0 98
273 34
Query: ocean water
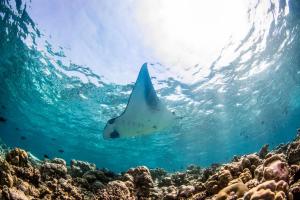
247 96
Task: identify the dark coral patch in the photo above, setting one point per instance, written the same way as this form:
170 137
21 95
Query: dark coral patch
296 177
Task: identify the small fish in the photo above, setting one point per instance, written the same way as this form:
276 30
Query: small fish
23 138
53 139
61 151
46 156
2 119
262 122
144 113
17 129
3 107
242 133
285 111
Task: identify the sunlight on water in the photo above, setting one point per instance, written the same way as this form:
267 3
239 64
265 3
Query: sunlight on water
183 34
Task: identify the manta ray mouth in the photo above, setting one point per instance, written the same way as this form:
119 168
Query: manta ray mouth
114 134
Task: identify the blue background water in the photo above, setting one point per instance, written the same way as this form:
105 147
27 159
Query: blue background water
247 96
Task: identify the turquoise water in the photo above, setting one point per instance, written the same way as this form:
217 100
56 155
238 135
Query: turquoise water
247 96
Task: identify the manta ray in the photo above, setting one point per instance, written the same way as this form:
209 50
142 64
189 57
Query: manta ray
144 113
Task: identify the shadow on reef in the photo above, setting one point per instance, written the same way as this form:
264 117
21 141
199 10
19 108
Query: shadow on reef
268 175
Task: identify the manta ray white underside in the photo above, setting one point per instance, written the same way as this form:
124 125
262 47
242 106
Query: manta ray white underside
144 113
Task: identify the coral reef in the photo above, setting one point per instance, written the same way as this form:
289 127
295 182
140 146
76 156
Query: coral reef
273 175
269 190
235 190
275 167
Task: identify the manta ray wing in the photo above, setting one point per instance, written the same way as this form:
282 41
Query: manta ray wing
143 92
144 112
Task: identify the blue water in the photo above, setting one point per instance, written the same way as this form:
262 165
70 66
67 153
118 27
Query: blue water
57 107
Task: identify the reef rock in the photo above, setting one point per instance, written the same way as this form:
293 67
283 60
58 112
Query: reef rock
295 190
235 190
94 176
218 181
158 174
269 190
170 193
186 191
142 181
78 168
166 181
235 168
116 190
17 157
54 168
30 174
275 168
179 179
14 194
293 152
194 172
245 176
